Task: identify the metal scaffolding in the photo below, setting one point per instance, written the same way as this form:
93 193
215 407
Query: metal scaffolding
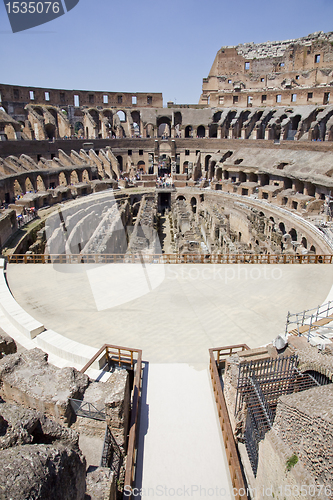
260 384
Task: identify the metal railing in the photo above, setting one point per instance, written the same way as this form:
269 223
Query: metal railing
235 468
309 319
132 358
139 258
112 455
86 409
116 354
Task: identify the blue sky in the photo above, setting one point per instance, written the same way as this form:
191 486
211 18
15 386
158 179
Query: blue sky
148 46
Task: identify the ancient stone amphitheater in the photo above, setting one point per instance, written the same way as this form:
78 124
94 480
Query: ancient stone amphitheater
170 230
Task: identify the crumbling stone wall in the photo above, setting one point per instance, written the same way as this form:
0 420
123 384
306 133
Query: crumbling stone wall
254 74
39 458
28 379
304 422
117 405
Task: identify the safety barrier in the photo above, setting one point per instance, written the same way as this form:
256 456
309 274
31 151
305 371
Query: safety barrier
169 259
133 359
217 358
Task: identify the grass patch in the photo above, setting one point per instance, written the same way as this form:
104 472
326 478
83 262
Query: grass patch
292 461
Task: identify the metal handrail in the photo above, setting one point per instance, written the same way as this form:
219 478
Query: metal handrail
308 319
235 468
137 258
126 355
85 409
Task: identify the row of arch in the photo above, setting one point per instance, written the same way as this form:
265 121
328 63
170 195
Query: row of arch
14 187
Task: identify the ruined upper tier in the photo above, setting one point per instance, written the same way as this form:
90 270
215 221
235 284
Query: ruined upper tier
298 71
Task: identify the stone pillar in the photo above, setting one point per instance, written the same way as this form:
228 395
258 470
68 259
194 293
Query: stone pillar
219 133
190 169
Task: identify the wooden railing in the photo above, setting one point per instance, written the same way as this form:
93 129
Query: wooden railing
126 356
169 259
217 356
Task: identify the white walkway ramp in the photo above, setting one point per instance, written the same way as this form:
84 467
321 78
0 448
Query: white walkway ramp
183 453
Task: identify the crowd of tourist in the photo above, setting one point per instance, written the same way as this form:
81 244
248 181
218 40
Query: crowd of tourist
164 181
27 215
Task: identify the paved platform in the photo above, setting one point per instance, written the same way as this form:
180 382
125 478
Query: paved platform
175 313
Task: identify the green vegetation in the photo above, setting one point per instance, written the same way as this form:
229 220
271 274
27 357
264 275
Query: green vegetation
292 461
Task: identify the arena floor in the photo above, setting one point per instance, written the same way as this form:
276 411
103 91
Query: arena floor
174 313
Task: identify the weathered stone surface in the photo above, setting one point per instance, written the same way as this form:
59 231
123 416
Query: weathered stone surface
117 405
101 484
304 422
19 425
30 380
310 358
42 472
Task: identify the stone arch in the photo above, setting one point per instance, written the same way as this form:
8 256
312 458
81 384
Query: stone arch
304 242
141 165
293 234
194 204
50 131
54 113
188 131
120 162
39 111
74 178
85 176
164 126
10 132
29 185
313 249
40 183
149 128
208 157
17 188
201 131
282 228
78 129
122 116
180 198
136 123
185 167
62 179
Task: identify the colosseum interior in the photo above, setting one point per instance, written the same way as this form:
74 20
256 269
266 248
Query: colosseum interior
170 230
